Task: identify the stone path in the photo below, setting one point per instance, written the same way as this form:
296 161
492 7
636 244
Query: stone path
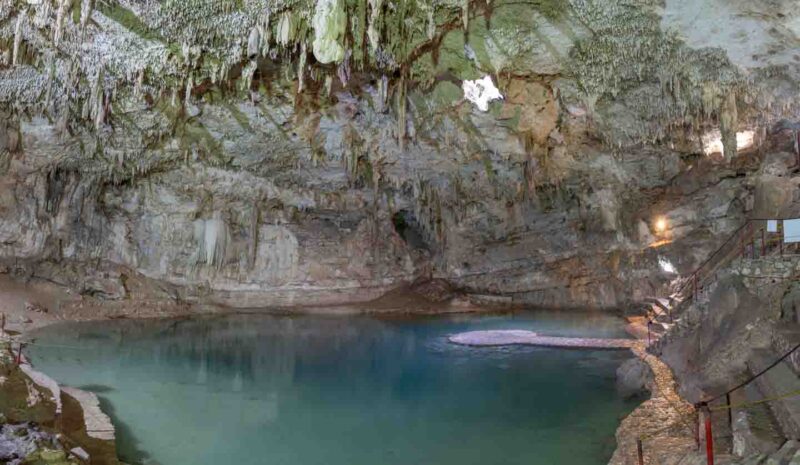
98 424
521 337
665 422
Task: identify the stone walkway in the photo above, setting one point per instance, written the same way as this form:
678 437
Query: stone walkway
521 337
665 422
98 424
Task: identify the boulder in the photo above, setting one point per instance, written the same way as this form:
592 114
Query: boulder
634 378
773 194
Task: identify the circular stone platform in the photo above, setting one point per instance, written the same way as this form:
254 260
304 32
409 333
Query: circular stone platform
522 337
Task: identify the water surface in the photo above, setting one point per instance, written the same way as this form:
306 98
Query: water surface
316 390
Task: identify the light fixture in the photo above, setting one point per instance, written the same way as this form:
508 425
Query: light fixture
660 224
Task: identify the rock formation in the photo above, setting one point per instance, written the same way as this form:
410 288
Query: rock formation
259 152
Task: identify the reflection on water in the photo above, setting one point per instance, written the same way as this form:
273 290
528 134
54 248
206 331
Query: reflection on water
255 389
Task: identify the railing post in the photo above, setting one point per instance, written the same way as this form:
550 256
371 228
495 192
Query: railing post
741 243
18 360
639 451
697 428
730 411
763 243
709 436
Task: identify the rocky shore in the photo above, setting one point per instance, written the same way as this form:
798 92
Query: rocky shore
41 423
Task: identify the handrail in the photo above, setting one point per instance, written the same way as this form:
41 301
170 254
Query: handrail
755 376
745 231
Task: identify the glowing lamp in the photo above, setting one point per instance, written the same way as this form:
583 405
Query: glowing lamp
661 225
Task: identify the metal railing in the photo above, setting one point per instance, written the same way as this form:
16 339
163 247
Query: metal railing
699 420
751 240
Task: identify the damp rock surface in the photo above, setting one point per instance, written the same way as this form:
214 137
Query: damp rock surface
258 153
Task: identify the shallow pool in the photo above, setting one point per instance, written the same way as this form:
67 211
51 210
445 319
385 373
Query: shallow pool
315 390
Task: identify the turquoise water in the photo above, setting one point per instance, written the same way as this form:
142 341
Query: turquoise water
314 390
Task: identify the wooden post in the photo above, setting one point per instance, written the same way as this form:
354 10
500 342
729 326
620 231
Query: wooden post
639 451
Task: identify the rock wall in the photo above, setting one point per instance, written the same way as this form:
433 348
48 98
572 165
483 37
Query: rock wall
265 153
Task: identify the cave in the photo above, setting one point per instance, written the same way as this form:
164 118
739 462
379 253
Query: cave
399 231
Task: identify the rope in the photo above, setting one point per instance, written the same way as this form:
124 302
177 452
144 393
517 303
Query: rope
757 402
744 383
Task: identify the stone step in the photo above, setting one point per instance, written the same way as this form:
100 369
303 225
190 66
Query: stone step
786 454
775 382
755 430
664 304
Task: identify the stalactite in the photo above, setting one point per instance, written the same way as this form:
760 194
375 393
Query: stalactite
62 13
137 87
264 32
372 29
431 29
87 7
383 93
253 246
343 70
728 124
187 98
247 75
285 30
253 43
18 37
301 67
401 112
97 102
